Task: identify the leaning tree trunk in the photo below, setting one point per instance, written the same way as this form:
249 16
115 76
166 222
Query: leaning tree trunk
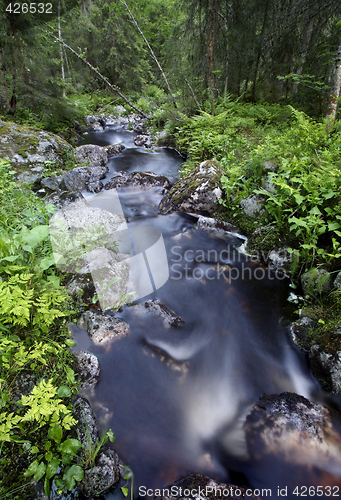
61 48
4 100
334 88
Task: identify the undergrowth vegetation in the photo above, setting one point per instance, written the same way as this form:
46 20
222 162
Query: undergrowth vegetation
37 379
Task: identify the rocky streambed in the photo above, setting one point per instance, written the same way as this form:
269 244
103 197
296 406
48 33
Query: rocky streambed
177 375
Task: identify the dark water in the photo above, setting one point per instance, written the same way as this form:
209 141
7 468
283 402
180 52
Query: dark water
176 398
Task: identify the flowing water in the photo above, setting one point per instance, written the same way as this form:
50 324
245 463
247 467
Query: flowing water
176 398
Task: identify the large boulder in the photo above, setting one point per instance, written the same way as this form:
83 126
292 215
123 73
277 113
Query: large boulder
198 192
30 151
294 442
140 179
91 155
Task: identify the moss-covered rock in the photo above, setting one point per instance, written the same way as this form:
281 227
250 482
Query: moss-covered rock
28 150
198 192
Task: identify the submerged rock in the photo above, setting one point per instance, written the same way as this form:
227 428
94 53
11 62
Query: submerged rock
114 149
160 310
198 192
102 328
294 441
140 179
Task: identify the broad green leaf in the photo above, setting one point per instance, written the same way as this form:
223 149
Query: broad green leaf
333 225
52 468
70 342
64 391
315 211
73 474
125 491
298 198
70 446
55 433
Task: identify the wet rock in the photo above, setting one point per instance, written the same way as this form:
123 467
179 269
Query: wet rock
253 206
316 281
218 227
88 368
143 140
87 429
63 199
52 183
201 488
102 328
156 307
23 384
294 440
299 329
82 289
140 179
103 476
198 192
28 150
94 123
114 150
280 260
78 178
33 176
91 155
95 187
326 367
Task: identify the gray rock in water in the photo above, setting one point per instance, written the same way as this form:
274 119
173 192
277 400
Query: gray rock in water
316 281
102 328
218 227
299 329
114 150
91 155
88 368
198 192
140 179
143 140
253 206
156 307
95 187
78 178
290 434
102 476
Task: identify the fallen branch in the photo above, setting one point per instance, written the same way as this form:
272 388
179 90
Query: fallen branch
193 95
115 89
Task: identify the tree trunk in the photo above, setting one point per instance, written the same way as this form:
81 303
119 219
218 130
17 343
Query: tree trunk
259 51
210 50
305 46
4 101
61 47
335 87
151 51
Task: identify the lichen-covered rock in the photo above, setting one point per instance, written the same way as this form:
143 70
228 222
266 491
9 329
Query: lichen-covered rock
64 198
327 368
87 429
92 155
88 368
79 178
143 140
198 192
102 328
316 281
253 206
297 437
141 179
114 149
102 476
52 183
217 227
95 187
28 149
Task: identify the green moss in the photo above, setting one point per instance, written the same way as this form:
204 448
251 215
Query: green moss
22 152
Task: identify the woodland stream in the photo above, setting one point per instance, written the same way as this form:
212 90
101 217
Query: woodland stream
176 398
